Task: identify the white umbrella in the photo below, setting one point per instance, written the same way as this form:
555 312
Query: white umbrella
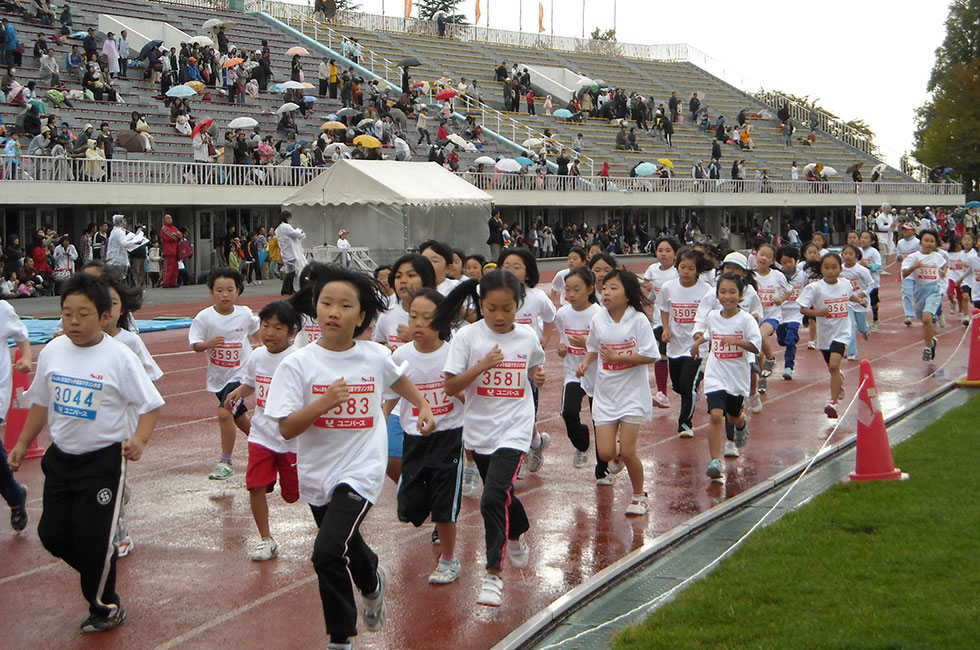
484 160
508 165
337 147
202 40
242 123
291 85
880 168
809 167
829 171
457 140
344 112
532 143
297 49
215 23
367 121
439 13
287 107
402 150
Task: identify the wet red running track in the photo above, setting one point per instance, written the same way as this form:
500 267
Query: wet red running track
189 582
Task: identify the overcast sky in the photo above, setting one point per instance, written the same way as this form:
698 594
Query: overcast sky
867 59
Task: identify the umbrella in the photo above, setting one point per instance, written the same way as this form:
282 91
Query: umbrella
235 60
409 61
524 160
439 13
402 150
130 141
829 171
809 167
880 168
309 99
203 125
307 85
563 113
507 165
297 49
338 147
398 115
286 108
457 139
484 160
532 143
443 95
666 162
333 125
332 116
291 85
367 121
215 23
368 141
181 91
418 84
196 86
853 168
202 40
645 169
275 88
346 112
973 204
145 52
242 123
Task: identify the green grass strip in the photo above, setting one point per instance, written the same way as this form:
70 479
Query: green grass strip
870 565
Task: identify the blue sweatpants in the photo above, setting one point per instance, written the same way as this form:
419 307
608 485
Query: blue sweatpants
859 323
788 335
908 302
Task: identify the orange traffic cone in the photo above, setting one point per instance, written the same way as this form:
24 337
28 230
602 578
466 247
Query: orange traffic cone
874 455
973 368
17 415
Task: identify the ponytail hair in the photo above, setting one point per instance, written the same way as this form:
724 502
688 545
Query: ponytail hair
436 299
701 262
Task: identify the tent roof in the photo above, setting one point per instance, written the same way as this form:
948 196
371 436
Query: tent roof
365 182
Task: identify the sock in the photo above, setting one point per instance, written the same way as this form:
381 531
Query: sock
226 458
660 370
443 558
637 497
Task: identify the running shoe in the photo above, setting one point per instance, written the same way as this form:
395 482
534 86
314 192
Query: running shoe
491 591
264 549
340 646
535 455
616 465
852 357
18 514
221 471
932 347
660 400
965 321
942 319
755 403
908 321
731 450
788 374
104 623
125 546
686 431
471 480
638 506
435 536
446 572
580 459
831 409
522 469
742 435
873 327
608 479
812 345
374 610
518 553
767 367
927 354
762 384
716 469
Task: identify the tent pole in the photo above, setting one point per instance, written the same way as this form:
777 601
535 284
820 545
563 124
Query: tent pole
404 230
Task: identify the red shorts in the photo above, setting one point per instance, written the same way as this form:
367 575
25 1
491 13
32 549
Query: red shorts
263 466
954 289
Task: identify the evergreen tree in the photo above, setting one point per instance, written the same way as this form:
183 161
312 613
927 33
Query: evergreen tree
428 8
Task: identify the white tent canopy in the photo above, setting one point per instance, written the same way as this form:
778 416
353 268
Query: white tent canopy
389 206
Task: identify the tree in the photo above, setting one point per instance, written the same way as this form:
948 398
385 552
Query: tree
608 35
947 124
603 43
428 9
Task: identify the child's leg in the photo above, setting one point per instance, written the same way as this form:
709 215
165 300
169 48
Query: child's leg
766 330
790 334
340 554
628 434
716 433
571 413
260 510
447 539
875 300
861 321
605 438
501 521
928 328
660 368
244 423
226 424
10 489
908 303
396 438
852 347
683 372
836 378
813 330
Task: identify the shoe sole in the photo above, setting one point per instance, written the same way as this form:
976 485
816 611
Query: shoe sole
634 513
685 434
714 473
383 578
96 630
831 412
480 601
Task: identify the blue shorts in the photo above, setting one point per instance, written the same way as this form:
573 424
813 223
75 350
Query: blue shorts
926 298
396 436
238 410
773 323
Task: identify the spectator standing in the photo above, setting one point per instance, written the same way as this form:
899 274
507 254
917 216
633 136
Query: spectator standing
90 45
694 106
673 104
63 257
291 249
118 246
496 238
86 243
12 48
323 76
122 49
99 240
170 238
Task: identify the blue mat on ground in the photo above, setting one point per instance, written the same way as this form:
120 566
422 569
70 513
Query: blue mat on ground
41 330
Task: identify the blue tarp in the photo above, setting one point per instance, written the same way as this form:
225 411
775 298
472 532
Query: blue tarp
41 330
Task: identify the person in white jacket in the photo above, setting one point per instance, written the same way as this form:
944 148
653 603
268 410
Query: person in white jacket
120 243
291 249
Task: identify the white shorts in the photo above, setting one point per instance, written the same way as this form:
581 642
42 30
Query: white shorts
629 419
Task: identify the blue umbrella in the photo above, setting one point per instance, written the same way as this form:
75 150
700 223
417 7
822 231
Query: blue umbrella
645 169
145 52
524 160
563 113
973 204
332 117
275 88
181 91
309 99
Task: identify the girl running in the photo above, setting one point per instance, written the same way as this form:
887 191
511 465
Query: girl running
491 362
820 241
656 275
620 337
925 268
959 269
871 260
972 280
811 253
790 318
576 257
677 304
733 335
774 288
861 285
907 245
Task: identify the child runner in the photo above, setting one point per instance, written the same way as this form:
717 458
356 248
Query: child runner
861 285
601 265
473 267
410 273
774 288
621 338
491 362
269 455
12 492
576 257
907 245
924 268
573 322
790 318
328 396
223 331
90 390
677 304
820 241
431 475
441 257
538 312
656 275
734 336
827 300
970 282
871 260
959 269
811 253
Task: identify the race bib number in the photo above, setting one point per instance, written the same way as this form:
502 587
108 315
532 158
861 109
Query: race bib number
854 284
725 351
579 352
794 294
767 297
928 272
312 333
435 396
628 348
226 355
683 312
352 414
394 342
262 383
524 319
76 398
506 379
836 307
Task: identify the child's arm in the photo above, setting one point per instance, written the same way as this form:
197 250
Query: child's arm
909 270
740 343
132 449
456 384
665 322
239 393
24 363
408 390
632 359
388 406
815 313
549 329
37 418
588 361
699 340
296 423
207 345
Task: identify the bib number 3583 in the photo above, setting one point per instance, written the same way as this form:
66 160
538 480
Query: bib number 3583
355 413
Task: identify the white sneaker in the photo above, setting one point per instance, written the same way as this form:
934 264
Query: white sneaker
522 469
491 591
125 546
580 459
518 553
731 451
812 345
374 611
535 455
942 319
873 327
446 572
471 480
638 506
264 549
852 357
616 465
660 400
755 403
221 471
685 432
608 479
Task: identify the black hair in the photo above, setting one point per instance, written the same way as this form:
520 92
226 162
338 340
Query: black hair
130 298
758 241
586 275
605 257
874 238
470 292
631 287
849 234
531 275
934 234
440 249
226 272
857 251
421 265
955 242
378 269
91 287
822 236
812 268
284 312
578 250
461 254
437 299
94 264
701 261
284 216
670 240
766 245
791 252
806 247
303 301
479 258
737 279
368 292
748 280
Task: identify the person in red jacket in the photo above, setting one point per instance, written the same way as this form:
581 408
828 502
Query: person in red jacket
170 236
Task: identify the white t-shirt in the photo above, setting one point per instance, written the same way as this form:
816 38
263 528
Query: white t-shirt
309 332
728 367
959 266
558 285
348 444
872 256
94 395
835 326
225 361
135 343
446 286
499 407
861 283
343 243
257 374
622 390
972 279
930 269
906 247
536 310
386 327
576 323
290 242
681 304
658 277
10 327
772 287
426 372
790 309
